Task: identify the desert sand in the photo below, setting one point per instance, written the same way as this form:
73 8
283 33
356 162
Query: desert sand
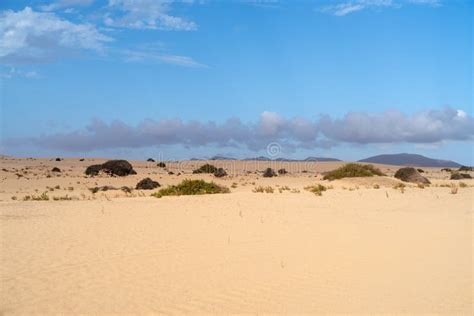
354 250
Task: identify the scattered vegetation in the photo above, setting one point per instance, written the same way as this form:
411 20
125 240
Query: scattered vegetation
261 189
454 189
446 169
191 187
268 173
43 197
317 189
376 186
108 187
400 186
207 168
351 170
234 185
462 185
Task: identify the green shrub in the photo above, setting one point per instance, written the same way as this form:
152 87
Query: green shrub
317 189
191 187
261 189
207 168
351 170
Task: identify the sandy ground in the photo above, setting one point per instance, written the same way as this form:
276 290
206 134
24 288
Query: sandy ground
353 250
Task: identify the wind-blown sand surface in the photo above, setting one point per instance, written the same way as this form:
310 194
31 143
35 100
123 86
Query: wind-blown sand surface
354 250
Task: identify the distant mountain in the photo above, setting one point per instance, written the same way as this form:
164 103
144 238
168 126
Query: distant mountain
218 157
260 158
321 159
410 160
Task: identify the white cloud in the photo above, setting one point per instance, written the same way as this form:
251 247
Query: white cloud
62 4
146 14
427 127
18 73
34 37
346 7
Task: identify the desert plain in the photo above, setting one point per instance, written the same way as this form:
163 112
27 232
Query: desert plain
363 247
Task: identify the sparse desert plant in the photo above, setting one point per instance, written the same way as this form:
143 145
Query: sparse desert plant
191 187
234 185
268 173
376 186
282 171
454 189
295 191
353 170
62 198
317 189
14 198
421 185
400 186
207 168
262 189
462 185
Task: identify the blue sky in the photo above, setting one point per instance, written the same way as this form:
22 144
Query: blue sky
181 79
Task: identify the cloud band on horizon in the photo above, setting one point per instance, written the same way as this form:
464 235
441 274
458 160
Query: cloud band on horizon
391 126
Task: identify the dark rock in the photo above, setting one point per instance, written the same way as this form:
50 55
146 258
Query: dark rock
171 173
150 160
58 159
207 168
220 172
161 164
282 171
268 173
93 170
119 168
420 170
409 174
82 159
446 169
465 168
147 184
460 176
56 169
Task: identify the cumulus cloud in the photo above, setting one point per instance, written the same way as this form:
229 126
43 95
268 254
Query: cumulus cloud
343 8
425 127
146 14
35 37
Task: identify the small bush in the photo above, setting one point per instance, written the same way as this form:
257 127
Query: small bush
376 186
268 173
400 186
421 185
261 189
317 189
234 185
191 187
282 171
351 170
454 189
207 168
161 164
462 185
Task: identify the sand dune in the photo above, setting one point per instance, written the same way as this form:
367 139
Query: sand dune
353 250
